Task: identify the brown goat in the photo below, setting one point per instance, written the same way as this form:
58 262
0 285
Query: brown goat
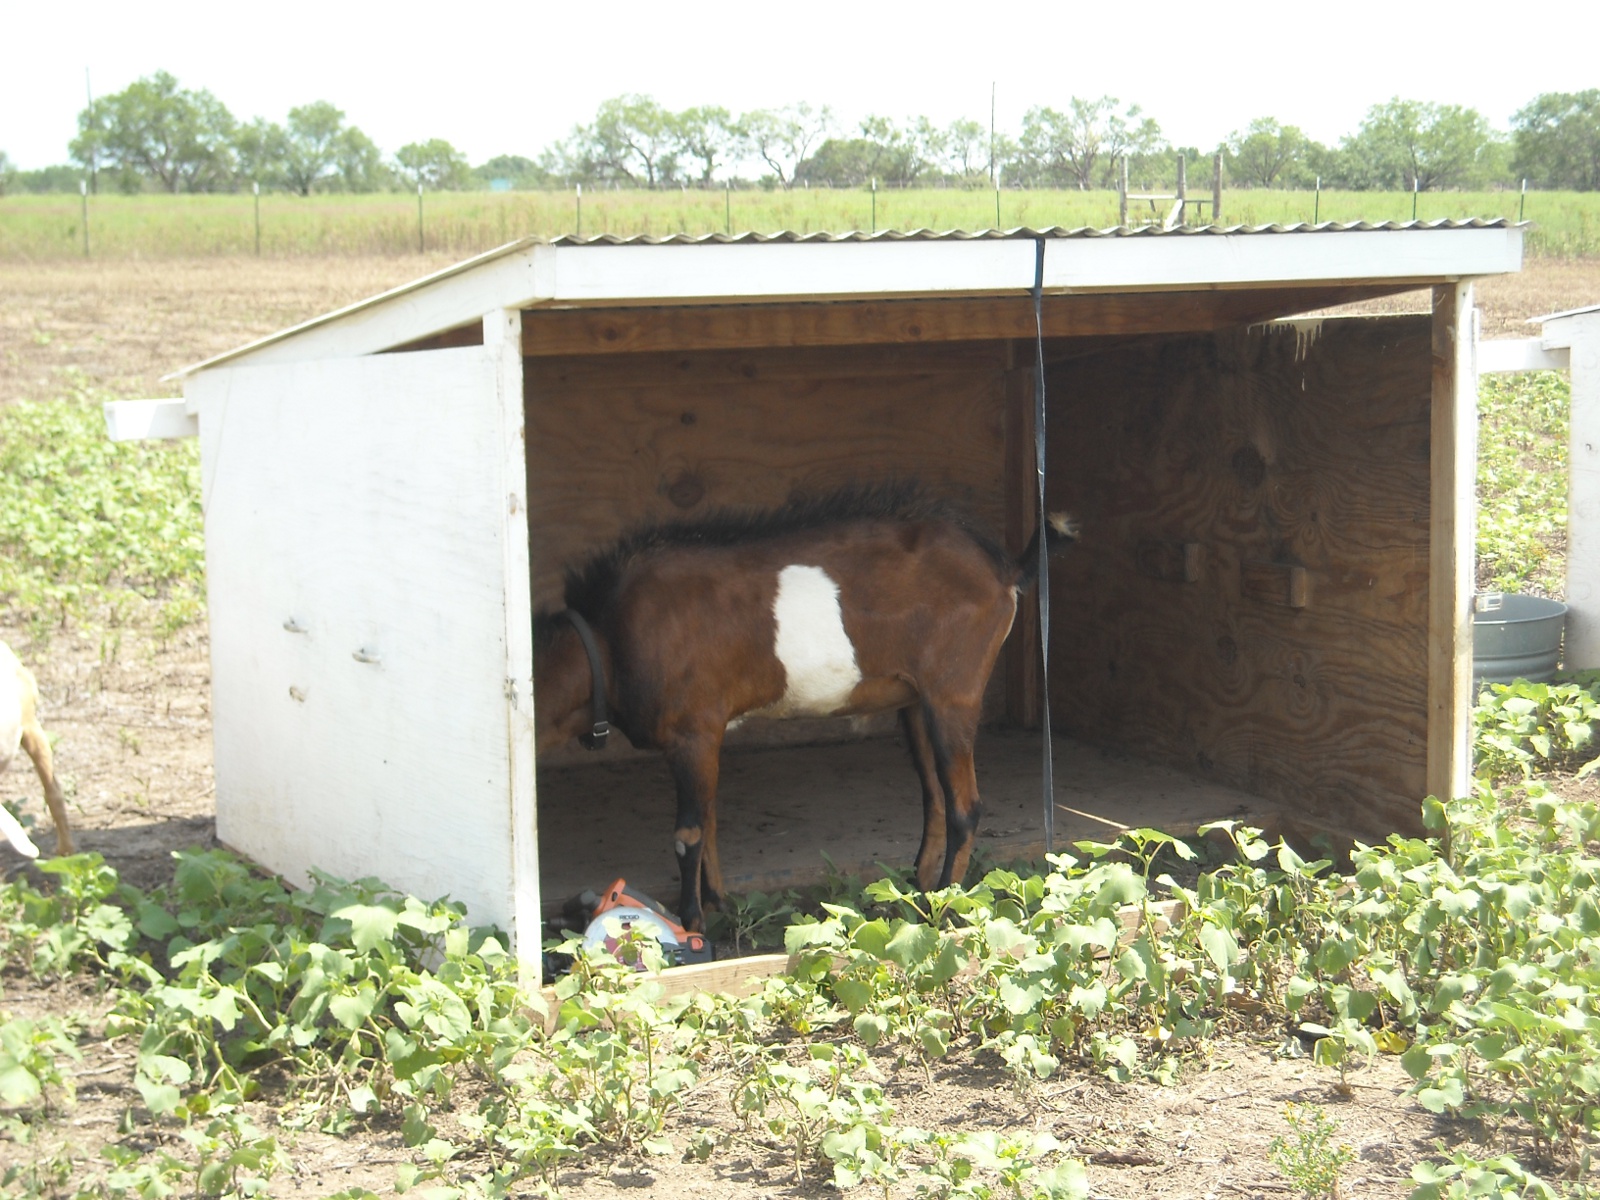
19 726
864 601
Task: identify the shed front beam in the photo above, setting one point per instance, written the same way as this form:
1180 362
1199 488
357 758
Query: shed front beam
548 332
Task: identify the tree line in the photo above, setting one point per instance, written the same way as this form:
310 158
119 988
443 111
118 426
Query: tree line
156 135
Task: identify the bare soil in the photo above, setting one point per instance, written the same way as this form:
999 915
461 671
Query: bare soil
131 717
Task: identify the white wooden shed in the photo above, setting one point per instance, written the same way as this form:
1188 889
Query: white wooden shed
1570 341
1273 596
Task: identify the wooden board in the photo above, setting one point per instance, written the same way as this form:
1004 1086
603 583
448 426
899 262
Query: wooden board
1453 447
355 519
604 331
613 443
780 810
1304 447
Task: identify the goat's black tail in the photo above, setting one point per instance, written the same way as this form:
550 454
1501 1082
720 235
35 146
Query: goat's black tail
1059 529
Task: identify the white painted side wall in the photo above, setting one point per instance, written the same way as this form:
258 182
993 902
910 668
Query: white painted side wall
1581 333
1570 342
355 515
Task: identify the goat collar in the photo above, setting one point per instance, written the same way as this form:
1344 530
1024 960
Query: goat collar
595 739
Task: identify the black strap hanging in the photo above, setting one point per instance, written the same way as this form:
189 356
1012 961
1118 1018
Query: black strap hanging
1049 782
595 739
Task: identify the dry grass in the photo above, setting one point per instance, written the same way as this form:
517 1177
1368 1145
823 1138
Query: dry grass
123 325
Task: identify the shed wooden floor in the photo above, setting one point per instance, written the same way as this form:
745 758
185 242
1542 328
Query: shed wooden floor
781 809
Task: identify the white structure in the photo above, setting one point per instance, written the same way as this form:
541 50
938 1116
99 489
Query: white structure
1570 341
367 511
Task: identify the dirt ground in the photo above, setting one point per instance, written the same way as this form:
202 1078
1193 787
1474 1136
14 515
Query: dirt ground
132 721
126 324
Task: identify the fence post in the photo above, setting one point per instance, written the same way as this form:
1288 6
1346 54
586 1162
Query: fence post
997 200
727 207
1522 200
874 205
419 217
1122 193
1216 190
1316 205
83 189
578 232
1415 184
256 188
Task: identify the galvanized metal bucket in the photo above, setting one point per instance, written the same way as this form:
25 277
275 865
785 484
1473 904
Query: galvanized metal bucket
1516 637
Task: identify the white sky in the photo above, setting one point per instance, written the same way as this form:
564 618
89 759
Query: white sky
499 78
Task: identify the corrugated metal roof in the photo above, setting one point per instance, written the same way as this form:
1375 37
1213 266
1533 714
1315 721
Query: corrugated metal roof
523 284
1019 233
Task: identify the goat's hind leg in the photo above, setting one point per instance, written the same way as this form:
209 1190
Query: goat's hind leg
952 733
930 853
694 763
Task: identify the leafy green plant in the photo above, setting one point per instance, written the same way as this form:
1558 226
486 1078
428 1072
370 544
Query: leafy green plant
1465 1177
753 920
55 933
1307 1155
84 520
1522 728
30 1059
1522 480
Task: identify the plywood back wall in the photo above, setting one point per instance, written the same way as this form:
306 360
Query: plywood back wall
1222 480
614 441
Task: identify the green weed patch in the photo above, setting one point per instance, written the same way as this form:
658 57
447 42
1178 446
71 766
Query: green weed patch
1522 481
88 525
1474 957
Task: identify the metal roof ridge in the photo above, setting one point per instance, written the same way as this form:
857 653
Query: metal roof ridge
1019 232
1567 312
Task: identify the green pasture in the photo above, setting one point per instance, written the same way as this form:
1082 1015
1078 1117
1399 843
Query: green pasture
38 227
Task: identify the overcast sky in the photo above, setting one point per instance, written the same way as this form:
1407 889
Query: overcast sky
497 78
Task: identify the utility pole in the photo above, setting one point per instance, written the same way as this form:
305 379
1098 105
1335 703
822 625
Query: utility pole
991 137
94 174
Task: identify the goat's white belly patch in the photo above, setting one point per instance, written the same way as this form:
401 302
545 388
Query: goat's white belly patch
819 660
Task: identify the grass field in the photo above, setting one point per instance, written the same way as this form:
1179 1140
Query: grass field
34 228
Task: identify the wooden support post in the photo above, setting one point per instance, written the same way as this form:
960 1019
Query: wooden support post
1178 214
1453 462
1022 514
1216 190
502 339
1122 193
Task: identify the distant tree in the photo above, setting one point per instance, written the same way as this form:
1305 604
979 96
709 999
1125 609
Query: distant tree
1266 154
633 140
312 144
358 162
260 149
64 177
515 170
705 134
1434 145
896 155
783 138
181 139
966 149
435 164
838 162
8 173
1557 140
1078 147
